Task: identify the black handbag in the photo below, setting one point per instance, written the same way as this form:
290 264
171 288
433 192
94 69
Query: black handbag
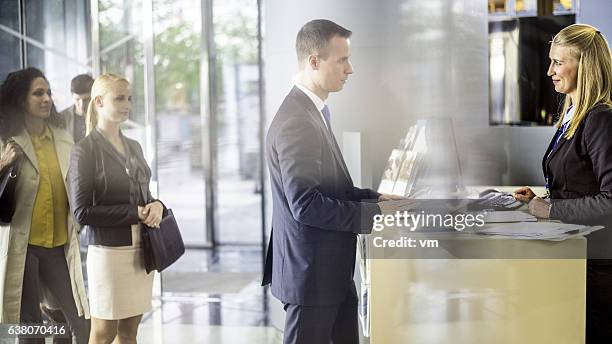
8 182
161 246
164 245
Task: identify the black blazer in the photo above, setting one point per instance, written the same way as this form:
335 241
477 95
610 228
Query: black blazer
580 178
104 198
317 212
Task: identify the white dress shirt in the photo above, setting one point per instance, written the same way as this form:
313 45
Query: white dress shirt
569 114
318 102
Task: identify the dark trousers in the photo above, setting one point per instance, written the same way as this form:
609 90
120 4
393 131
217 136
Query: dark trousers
48 266
599 304
335 324
56 316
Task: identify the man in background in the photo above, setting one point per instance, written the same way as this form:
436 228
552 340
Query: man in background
80 87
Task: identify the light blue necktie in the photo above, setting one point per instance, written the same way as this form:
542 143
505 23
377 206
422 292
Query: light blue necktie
327 116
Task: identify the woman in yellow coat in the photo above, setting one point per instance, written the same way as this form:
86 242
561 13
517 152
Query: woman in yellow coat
40 247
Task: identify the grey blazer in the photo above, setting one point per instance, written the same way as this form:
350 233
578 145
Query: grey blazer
317 212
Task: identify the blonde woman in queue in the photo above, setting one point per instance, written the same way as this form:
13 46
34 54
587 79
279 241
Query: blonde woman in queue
107 173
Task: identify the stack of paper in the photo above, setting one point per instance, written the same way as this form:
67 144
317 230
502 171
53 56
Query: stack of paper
537 230
508 216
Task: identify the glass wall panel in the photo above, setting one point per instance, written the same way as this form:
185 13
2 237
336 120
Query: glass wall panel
122 51
177 29
10 54
237 146
58 43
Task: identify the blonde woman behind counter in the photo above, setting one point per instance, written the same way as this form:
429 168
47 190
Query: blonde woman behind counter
107 173
577 165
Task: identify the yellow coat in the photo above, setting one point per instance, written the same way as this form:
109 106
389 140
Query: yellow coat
15 236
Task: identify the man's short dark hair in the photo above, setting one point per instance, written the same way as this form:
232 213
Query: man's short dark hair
314 36
81 84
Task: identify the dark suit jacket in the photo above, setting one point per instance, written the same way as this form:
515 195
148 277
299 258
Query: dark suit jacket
580 179
75 124
317 212
104 197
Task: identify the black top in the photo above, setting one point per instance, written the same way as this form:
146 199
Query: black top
105 188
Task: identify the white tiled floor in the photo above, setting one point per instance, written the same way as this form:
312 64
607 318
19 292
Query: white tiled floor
208 314
180 333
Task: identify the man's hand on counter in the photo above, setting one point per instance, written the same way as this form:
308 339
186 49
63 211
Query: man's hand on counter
539 208
393 206
388 197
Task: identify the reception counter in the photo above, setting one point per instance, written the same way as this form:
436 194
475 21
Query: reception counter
495 296
432 301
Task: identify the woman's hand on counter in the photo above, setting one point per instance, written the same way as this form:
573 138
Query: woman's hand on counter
524 194
539 208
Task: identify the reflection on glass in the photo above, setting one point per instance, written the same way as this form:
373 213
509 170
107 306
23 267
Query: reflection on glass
497 76
497 6
237 146
121 48
563 5
530 6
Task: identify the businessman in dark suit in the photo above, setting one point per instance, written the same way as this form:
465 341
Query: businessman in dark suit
317 212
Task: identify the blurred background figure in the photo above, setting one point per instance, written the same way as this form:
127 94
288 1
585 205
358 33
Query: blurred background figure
74 115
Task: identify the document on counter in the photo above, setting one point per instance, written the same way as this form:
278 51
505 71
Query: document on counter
508 216
553 231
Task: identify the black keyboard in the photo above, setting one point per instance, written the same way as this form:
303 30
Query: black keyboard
496 200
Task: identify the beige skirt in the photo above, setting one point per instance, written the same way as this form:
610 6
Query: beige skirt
119 287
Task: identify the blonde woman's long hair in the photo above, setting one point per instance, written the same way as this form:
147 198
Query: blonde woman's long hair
594 85
101 86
